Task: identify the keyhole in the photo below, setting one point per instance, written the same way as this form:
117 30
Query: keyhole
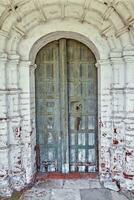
78 107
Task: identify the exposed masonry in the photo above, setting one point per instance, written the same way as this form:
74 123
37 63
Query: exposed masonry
17 124
23 32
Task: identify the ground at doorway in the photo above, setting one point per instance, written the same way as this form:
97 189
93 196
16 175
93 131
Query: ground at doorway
72 190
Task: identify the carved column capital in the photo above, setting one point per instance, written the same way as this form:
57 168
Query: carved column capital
103 62
13 58
33 67
25 63
3 57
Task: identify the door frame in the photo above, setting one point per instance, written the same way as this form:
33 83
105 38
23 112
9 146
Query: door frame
78 37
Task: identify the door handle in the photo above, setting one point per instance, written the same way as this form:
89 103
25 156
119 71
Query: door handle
77 123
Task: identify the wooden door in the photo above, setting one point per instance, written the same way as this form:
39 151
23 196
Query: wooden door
66 107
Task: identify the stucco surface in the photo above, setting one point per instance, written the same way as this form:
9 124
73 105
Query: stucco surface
106 27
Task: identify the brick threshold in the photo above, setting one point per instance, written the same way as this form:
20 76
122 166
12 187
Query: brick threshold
73 175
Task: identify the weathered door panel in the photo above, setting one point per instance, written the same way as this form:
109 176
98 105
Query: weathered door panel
48 108
66 107
82 107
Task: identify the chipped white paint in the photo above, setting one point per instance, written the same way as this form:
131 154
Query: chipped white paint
107 28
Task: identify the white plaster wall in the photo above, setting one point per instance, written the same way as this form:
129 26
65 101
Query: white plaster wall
113 48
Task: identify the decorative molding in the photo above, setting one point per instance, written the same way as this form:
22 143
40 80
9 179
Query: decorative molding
86 6
129 52
14 10
23 2
109 7
58 35
3 57
115 54
25 63
38 6
4 33
33 67
63 7
19 30
4 16
129 59
117 60
106 30
107 13
13 57
103 62
121 31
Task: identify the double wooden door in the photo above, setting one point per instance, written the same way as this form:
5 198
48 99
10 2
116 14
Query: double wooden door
66 107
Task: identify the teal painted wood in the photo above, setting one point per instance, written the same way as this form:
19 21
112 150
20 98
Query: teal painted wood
64 104
66 107
48 108
82 97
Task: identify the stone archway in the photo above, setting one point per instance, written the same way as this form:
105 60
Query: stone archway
19 141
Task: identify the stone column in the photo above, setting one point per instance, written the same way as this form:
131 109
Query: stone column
128 172
17 171
4 140
118 115
27 97
105 112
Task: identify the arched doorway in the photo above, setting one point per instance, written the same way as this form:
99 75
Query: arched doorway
66 107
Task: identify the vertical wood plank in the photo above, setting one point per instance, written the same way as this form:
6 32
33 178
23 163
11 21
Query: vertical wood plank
64 105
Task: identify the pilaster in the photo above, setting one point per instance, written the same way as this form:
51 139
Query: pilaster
17 172
105 112
129 120
27 102
4 139
118 115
